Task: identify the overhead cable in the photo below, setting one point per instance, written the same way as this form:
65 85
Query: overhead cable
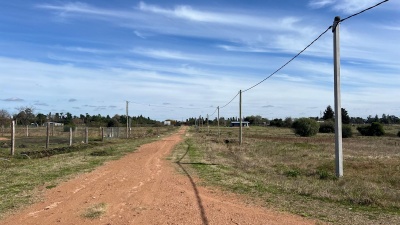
288 61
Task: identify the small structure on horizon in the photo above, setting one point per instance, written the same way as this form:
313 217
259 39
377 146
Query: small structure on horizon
237 124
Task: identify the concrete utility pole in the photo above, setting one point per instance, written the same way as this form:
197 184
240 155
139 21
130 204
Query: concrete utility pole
338 104
127 120
240 117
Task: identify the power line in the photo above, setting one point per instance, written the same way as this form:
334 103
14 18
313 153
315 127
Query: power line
288 61
362 11
214 111
280 68
229 101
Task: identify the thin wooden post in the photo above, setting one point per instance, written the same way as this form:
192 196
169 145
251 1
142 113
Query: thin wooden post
102 134
52 129
70 136
86 135
240 117
338 104
127 120
219 133
27 130
47 135
208 125
12 137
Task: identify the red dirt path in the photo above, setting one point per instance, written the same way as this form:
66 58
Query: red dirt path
145 188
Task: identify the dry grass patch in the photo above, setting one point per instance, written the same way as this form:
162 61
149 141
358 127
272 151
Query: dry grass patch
95 211
299 172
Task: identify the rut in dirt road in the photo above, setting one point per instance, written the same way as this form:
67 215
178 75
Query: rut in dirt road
145 188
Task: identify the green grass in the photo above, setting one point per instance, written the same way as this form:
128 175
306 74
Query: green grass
297 174
23 179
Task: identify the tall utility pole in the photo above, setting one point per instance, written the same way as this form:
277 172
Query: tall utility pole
218 122
338 104
240 117
127 120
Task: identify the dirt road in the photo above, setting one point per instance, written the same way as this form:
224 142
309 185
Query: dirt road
145 188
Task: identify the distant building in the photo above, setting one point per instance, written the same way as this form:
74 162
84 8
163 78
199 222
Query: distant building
54 124
237 124
167 123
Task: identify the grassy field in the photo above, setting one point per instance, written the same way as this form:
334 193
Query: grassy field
278 169
23 179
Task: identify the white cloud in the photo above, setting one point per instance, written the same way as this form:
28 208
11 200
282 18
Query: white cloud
14 99
166 54
345 6
139 34
227 19
320 3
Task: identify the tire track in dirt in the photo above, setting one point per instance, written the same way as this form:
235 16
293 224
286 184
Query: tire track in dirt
144 188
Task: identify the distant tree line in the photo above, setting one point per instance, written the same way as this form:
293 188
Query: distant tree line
26 116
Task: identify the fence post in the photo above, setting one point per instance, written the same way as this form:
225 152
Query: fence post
27 130
219 133
70 136
102 134
86 135
240 118
47 135
12 137
52 130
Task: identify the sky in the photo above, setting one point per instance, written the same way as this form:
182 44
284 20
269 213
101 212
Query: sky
179 59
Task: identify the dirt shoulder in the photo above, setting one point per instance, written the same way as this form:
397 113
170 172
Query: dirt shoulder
144 188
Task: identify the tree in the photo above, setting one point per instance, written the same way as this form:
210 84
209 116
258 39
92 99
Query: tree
41 118
328 113
345 117
288 122
5 117
25 115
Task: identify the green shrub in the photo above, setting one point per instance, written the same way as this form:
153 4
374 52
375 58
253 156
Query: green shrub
277 123
347 132
306 127
375 129
66 128
327 127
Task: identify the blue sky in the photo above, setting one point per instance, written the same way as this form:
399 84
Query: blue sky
180 59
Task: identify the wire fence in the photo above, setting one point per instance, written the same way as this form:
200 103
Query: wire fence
34 139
